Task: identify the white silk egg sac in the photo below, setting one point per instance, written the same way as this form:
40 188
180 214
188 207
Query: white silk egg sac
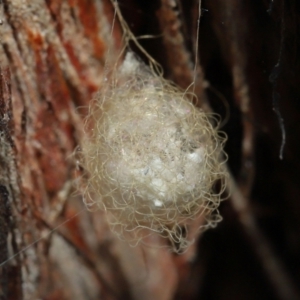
152 158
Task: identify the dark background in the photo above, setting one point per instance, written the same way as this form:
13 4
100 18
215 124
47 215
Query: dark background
268 35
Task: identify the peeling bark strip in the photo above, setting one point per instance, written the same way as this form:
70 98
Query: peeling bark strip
5 145
10 276
4 229
186 70
6 120
180 60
